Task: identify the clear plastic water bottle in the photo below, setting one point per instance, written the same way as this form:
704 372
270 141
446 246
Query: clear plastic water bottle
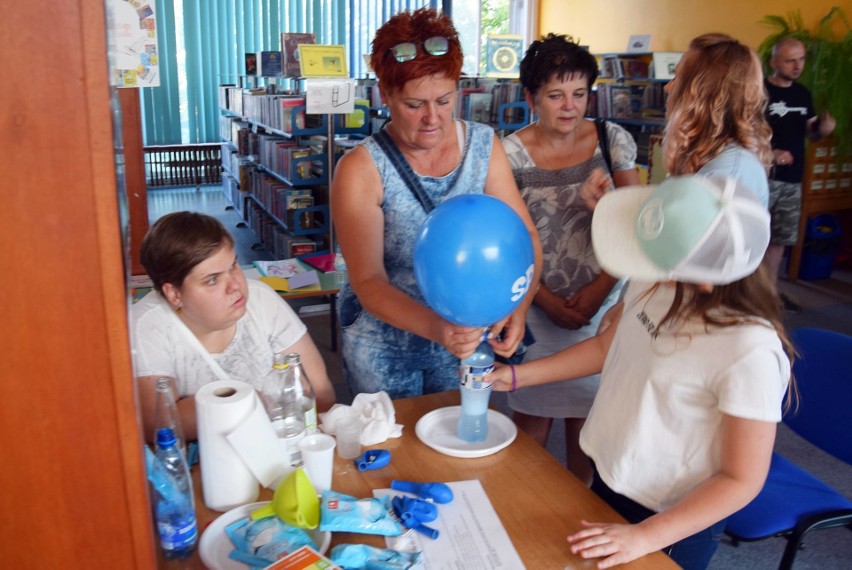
175 503
475 393
305 390
166 413
289 415
340 269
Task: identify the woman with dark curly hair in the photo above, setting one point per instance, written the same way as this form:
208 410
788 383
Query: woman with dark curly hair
552 159
392 340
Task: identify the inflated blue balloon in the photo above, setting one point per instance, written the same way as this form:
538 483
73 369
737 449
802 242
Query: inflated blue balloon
473 260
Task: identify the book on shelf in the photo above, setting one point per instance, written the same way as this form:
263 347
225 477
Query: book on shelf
286 274
293 246
479 107
664 63
357 118
620 101
290 42
462 99
251 63
269 63
297 199
503 55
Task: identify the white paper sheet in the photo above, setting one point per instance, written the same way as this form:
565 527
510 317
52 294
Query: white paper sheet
471 534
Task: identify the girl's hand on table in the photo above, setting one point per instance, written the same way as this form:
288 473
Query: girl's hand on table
615 543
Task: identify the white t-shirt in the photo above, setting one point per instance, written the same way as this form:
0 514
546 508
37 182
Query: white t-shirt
161 348
655 428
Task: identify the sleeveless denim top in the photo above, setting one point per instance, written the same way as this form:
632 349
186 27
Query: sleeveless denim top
403 218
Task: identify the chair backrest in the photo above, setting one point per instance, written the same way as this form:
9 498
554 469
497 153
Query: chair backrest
823 372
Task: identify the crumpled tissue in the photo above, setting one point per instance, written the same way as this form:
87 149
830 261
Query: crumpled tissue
378 417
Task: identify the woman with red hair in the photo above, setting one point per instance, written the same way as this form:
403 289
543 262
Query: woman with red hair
392 340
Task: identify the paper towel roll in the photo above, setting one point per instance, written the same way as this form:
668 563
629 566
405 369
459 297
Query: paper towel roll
257 444
221 407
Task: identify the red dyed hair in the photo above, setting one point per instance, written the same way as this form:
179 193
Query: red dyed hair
415 27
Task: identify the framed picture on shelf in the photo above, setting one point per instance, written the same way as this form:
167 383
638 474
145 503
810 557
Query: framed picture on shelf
665 63
639 43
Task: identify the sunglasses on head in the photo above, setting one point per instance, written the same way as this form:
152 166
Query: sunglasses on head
406 51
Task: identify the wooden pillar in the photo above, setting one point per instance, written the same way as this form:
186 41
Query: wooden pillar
134 173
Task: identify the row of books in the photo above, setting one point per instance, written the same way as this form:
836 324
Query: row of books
283 112
237 166
480 100
237 197
280 243
616 67
279 155
621 101
290 205
285 61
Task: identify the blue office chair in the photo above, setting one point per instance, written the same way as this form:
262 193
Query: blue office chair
793 502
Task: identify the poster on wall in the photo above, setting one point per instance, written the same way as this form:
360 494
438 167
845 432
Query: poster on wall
132 43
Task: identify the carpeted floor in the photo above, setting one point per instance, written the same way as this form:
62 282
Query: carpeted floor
825 304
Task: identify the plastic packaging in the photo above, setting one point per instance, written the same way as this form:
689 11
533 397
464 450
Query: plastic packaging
174 509
166 414
475 393
365 557
342 513
262 542
305 390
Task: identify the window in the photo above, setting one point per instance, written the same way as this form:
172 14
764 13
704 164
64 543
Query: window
203 42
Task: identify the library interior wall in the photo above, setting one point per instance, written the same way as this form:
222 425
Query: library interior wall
606 25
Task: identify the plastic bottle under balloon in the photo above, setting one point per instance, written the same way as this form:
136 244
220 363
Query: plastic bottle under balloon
475 393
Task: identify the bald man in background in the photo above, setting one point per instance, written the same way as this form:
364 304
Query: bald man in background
791 115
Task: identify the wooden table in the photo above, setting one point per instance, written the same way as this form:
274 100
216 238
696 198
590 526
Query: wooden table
538 501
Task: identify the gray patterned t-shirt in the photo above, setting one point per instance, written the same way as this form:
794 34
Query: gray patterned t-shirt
563 222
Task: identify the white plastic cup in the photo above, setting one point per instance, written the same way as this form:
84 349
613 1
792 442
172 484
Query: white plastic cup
318 456
348 432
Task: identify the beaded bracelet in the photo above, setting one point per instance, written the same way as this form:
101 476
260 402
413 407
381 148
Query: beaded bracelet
514 379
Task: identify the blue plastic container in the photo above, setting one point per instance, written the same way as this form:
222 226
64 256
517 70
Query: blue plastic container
822 242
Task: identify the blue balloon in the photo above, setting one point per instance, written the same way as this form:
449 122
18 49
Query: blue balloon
473 260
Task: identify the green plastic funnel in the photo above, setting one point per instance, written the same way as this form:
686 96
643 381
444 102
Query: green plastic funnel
295 502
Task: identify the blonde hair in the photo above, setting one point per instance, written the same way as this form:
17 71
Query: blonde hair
717 98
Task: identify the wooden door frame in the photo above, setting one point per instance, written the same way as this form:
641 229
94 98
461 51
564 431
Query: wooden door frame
73 461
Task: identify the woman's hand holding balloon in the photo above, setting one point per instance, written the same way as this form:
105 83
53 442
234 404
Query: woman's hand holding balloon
458 340
507 334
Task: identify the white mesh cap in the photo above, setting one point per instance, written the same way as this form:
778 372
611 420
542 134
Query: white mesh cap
695 229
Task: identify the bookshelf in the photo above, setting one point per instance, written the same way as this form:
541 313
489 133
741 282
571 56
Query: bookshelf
497 102
630 91
277 162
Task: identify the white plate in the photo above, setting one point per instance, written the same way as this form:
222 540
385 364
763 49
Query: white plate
215 546
437 429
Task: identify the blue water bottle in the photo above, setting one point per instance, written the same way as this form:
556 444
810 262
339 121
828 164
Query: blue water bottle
475 393
174 503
